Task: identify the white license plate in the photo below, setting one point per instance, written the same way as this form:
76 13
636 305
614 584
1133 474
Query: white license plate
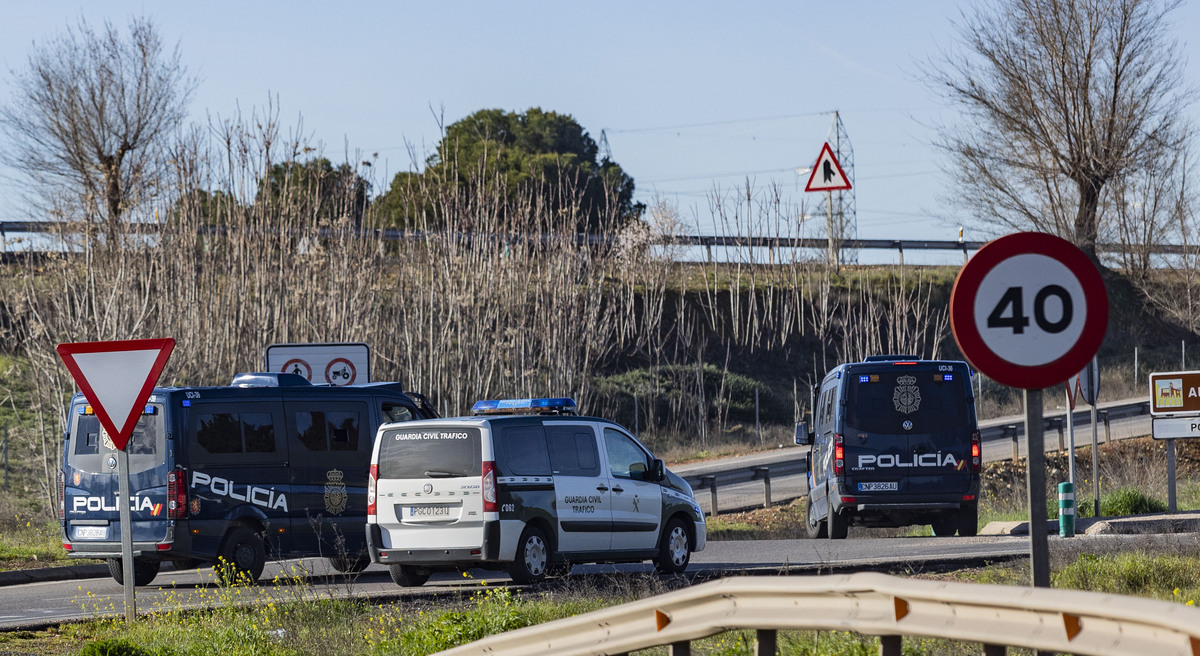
428 511
890 486
91 532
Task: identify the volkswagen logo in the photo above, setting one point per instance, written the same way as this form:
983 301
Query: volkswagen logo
907 425
112 462
428 488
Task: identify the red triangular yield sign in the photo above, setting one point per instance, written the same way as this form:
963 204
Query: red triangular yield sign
117 378
827 174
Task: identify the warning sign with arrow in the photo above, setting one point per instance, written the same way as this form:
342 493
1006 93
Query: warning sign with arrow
827 174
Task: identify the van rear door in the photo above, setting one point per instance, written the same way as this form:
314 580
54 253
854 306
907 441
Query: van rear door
908 429
429 491
90 469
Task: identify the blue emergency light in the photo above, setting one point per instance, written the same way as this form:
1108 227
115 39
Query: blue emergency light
560 406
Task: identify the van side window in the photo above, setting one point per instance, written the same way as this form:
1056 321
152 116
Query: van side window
573 450
522 451
625 458
396 412
221 430
332 430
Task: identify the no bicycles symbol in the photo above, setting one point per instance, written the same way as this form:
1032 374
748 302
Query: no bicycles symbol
340 371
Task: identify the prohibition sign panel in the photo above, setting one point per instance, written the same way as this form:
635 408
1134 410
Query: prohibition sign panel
1029 310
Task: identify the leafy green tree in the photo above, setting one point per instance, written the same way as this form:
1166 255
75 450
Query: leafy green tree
535 160
315 191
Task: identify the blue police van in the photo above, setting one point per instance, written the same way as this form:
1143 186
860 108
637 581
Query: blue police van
268 468
896 443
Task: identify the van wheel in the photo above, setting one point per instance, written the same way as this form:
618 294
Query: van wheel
144 570
839 524
945 525
675 551
241 557
815 528
968 520
348 564
407 576
533 557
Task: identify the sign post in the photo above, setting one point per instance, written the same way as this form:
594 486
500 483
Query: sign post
117 378
1175 406
828 176
1089 389
1029 310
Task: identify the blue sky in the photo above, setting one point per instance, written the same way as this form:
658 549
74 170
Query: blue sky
693 96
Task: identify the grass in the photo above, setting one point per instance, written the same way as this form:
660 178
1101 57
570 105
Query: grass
29 541
288 619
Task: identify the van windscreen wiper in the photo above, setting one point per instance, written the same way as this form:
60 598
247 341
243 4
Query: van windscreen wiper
442 474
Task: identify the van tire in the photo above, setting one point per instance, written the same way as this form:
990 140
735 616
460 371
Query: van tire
674 549
532 560
839 524
348 564
968 521
144 570
813 527
407 576
242 556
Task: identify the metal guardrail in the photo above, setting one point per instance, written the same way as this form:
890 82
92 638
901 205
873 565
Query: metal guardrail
705 241
1067 621
990 431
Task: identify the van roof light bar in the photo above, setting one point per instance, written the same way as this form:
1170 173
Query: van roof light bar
891 358
543 406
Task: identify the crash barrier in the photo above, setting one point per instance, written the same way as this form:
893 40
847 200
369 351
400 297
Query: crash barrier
713 480
997 616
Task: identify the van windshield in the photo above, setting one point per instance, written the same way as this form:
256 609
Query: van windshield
934 401
430 453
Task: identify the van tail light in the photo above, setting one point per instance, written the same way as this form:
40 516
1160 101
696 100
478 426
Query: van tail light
372 481
62 495
177 498
839 456
489 486
976 453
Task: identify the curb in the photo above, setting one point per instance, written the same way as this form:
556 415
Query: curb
1136 525
44 574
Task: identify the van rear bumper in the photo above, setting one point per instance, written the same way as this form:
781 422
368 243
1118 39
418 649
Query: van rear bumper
488 551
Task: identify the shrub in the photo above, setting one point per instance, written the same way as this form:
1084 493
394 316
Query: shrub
1129 501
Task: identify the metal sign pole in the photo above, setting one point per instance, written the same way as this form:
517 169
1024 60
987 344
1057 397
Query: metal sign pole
126 534
1095 467
1035 460
1171 476
1070 436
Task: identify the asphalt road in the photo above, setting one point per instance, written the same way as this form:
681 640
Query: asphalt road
35 604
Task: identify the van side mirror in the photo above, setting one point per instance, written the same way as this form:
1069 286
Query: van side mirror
804 436
660 470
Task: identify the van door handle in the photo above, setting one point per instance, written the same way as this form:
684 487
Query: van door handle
618 490
602 488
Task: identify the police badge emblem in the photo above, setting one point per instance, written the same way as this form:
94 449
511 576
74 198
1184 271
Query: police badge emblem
335 492
907 398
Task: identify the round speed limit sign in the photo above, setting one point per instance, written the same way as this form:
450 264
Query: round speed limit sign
1029 310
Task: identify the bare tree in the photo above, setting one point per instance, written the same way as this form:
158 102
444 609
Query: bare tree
1061 98
91 116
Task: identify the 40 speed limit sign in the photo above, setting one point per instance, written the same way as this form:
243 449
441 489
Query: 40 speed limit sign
1029 310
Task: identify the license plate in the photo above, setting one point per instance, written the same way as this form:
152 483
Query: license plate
890 486
91 532
429 511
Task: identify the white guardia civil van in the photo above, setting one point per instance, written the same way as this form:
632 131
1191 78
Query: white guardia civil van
527 486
